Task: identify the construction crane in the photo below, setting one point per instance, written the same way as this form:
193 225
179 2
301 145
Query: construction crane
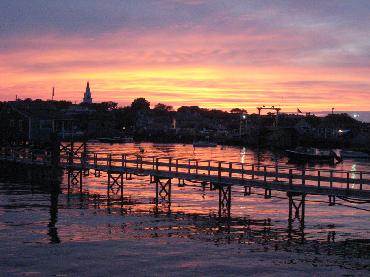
277 110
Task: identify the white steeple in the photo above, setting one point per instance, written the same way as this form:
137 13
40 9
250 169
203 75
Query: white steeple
87 95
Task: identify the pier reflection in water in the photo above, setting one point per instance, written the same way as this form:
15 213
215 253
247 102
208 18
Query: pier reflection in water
59 213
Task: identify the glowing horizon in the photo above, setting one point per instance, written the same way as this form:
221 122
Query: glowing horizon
204 53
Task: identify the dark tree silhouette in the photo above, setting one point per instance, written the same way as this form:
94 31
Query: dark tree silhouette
238 111
140 104
163 108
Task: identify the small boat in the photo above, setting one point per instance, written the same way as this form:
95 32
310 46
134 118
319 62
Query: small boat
202 143
313 154
116 140
110 140
354 155
128 139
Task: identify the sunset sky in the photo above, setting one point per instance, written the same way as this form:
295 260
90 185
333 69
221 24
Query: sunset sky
216 54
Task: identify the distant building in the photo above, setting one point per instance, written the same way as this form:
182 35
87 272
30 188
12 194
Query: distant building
35 121
303 128
87 95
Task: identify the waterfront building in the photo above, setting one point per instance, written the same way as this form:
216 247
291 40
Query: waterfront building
34 121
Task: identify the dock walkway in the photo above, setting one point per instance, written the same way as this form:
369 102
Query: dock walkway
222 175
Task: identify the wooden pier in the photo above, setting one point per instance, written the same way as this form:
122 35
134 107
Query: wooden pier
220 175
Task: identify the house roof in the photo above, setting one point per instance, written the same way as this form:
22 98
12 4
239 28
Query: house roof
39 110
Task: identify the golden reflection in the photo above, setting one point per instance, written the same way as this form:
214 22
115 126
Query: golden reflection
242 155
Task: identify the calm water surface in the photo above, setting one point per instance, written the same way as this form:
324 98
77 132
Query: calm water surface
35 214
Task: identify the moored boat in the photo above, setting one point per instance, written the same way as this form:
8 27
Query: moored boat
116 140
354 155
202 143
313 154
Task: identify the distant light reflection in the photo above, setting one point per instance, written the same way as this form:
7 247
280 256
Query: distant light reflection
242 154
353 174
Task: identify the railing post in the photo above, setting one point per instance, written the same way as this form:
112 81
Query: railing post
196 165
156 179
189 166
276 173
209 168
290 176
303 176
264 174
252 171
230 169
331 178
80 181
70 157
82 160
242 171
109 161
318 178
177 165
156 164
347 179
361 180
170 164
219 172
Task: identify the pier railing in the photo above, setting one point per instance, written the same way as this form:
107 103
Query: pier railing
25 155
278 177
222 172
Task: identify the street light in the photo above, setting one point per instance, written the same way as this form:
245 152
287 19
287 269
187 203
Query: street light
243 117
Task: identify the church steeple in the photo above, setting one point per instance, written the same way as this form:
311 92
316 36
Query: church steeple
87 96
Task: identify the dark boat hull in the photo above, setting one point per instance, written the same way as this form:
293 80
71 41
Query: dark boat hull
115 140
308 157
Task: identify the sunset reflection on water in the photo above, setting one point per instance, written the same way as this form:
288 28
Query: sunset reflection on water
38 213
195 199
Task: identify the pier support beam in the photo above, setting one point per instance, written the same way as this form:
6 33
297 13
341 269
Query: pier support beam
331 200
162 191
86 172
181 183
128 176
74 178
247 191
224 200
52 229
115 184
204 185
212 186
297 202
267 193
96 173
